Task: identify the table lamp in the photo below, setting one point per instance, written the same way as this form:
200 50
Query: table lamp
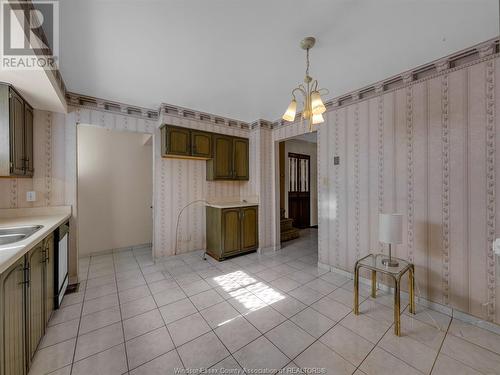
390 231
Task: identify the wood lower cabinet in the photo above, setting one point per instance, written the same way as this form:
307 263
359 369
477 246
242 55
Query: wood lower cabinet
26 303
12 324
231 231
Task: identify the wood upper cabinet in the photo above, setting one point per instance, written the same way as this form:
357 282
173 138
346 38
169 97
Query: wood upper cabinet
179 142
240 159
28 140
231 231
36 300
230 159
201 144
16 134
12 324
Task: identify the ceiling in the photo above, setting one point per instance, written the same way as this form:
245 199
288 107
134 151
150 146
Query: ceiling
241 59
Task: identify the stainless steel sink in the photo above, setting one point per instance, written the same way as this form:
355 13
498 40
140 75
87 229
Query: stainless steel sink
15 234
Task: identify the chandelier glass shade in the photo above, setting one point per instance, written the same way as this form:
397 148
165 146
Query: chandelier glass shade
313 107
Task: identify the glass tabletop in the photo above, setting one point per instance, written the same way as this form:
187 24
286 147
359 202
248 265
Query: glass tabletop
374 262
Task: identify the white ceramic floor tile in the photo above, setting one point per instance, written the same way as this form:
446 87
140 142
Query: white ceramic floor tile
60 332
110 362
136 307
448 366
100 291
319 356
53 357
206 299
290 338
261 354
236 333
99 304
99 319
177 310
168 296
220 313
98 341
306 295
133 294
142 323
380 362
313 322
166 364
188 328
331 309
289 306
349 345
475 335
66 314
147 347
203 352
265 318
366 327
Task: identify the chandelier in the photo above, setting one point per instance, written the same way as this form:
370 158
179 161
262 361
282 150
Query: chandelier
313 105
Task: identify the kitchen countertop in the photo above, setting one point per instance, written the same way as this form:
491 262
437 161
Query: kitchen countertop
231 204
49 217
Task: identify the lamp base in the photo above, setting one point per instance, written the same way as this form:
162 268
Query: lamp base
390 262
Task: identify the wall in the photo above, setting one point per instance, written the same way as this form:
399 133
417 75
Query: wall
427 150
305 148
115 189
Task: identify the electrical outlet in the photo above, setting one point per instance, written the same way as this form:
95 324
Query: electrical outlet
31 196
336 160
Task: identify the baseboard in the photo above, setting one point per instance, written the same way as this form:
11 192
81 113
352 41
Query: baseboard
268 249
447 310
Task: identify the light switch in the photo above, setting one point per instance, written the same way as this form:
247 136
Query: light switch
31 196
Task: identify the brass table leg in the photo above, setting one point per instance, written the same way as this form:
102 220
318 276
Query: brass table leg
411 275
356 290
374 284
397 321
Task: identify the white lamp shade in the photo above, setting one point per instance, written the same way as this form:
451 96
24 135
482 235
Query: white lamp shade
290 112
317 105
317 119
390 228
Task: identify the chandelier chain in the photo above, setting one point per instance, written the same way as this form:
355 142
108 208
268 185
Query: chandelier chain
307 62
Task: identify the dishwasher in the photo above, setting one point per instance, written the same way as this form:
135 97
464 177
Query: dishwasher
61 262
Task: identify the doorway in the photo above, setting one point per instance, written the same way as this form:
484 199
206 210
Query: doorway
298 186
114 190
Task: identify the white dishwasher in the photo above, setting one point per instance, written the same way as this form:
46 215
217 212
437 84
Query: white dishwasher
61 265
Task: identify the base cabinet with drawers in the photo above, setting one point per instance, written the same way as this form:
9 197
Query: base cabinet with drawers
231 231
26 303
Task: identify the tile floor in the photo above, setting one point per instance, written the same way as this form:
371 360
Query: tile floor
276 311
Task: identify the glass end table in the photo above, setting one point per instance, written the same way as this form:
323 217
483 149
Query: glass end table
374 263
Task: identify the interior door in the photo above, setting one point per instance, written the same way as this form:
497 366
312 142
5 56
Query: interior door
223 157
36 322
202 144
17 133
231 231
299 196
249 228
178 141
12 328
240 160
28 139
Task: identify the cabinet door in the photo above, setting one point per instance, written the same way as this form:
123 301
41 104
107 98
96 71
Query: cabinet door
223 158
28 139
12 327
178 141
201 144
16 133
36 323
240 169
231 239
249 228
49 277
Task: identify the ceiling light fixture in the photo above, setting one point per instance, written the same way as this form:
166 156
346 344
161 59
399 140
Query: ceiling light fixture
313 105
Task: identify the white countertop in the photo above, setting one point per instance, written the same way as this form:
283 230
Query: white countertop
49 217
231 204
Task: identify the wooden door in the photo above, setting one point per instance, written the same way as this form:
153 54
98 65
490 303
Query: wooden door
12 326
240 159
35 296
299 196
202 144
178 141
231 237
249 228
17 133
49 289
223 158
28 140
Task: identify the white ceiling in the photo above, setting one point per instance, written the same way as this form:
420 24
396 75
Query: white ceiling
241 58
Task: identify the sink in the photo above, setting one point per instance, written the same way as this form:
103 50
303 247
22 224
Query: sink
15 234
